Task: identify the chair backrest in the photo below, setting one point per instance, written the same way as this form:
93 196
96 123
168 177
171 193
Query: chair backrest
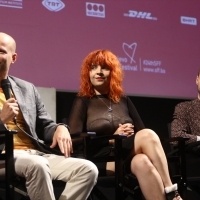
187 161
9 181
7 163
115 155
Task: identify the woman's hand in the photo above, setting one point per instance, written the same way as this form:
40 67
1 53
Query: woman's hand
125 129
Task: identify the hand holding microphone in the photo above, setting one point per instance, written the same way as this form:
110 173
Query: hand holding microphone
10 108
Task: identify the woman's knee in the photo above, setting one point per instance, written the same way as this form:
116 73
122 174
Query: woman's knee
140 164
147 135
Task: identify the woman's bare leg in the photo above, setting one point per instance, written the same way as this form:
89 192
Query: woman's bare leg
147 142
148 177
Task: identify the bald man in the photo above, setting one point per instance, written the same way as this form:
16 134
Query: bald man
33 160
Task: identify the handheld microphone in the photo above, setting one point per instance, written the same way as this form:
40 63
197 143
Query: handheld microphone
5 84
6 87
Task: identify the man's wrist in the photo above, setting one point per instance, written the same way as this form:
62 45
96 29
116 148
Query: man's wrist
65 125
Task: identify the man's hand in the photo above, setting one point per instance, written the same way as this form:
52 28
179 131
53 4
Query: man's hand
63 139
9 111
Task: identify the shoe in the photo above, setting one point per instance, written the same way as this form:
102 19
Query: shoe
172 193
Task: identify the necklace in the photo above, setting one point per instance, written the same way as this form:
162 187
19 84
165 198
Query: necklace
109 107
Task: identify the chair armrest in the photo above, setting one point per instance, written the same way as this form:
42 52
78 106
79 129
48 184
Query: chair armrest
94 136
7 131
117 148
175 139
180 145
6 137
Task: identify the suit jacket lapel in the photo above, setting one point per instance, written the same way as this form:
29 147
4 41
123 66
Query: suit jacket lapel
21 100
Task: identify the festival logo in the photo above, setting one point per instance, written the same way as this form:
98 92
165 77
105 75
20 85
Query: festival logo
129 50
12 3
95 10
130 62
53 5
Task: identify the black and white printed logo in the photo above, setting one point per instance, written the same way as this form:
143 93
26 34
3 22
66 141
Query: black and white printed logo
53 5
12 3
129 50
130 62
95 10
188 20
140 15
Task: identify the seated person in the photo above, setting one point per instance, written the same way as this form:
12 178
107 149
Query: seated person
25 112
186 121
102 107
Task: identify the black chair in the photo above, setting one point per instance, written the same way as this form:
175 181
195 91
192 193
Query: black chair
178 176
177 164
7 173
191 168
12 187
126 184
115 155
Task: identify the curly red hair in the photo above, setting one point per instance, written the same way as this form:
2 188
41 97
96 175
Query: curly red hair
102 57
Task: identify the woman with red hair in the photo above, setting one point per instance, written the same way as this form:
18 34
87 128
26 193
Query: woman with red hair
102 107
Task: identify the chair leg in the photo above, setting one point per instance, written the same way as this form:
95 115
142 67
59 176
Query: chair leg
90 198
96 192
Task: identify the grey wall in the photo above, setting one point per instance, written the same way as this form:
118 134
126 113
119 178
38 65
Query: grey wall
48 96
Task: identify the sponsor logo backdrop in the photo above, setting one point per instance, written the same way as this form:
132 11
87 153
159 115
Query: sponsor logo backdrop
157 42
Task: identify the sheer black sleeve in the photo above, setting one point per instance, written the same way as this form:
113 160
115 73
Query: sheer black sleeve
78 116
137 122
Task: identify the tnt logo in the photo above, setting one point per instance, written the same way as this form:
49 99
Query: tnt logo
139 14
95 10
53 5
188 20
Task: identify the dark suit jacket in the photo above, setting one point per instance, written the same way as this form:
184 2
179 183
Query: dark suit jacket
39 125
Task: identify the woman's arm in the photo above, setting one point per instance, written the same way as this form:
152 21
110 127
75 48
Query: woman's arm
78 116
137 122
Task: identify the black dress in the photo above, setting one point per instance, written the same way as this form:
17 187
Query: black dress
93 115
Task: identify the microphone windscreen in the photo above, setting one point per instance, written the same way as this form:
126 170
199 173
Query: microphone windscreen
6 87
